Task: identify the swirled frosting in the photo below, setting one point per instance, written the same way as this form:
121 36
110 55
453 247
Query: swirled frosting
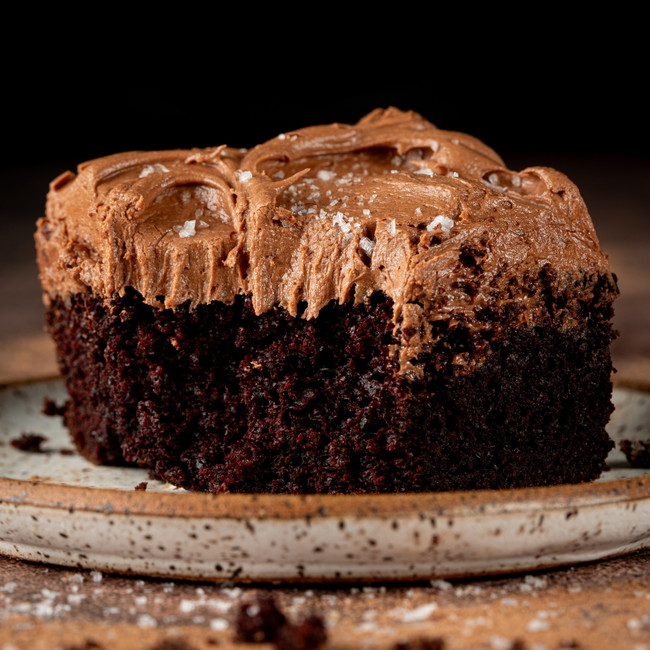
333 212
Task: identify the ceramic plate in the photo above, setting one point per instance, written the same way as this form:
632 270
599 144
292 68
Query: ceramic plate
56 507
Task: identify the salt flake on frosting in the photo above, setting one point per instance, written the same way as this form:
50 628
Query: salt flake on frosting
188 229
208 196
425 171
147 170
339 220
444 222
392 228
492 181
367 245
244 176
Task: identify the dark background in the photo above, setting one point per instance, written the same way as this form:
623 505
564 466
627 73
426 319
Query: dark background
576 108
531 108
584 116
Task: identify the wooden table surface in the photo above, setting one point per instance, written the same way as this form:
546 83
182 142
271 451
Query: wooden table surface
600 605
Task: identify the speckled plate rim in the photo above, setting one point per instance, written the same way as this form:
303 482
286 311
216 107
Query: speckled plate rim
273 506
289 506
314 538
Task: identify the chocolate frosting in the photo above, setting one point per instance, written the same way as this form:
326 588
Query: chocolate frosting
333 212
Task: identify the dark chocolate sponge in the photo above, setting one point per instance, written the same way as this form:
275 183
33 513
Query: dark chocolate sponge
216 398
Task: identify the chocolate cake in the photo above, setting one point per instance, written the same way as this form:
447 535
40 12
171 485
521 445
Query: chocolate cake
378 307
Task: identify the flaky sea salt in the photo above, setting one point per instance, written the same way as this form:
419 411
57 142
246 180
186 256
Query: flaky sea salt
279 174
367 626
426 172
367 245
537 626
534 581
418 614
500 643
392 228
209 197
188 229
492 181
244 176
444 222
219 605
339 220
325 175
232 592
146 620
219 624
147 170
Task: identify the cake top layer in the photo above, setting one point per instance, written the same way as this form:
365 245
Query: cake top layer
331 212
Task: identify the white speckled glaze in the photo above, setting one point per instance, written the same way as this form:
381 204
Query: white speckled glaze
61 509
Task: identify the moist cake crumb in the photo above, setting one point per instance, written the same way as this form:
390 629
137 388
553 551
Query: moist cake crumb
50 407
30 442
637 452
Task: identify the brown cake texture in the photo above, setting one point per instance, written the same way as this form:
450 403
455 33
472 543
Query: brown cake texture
378 307
637 452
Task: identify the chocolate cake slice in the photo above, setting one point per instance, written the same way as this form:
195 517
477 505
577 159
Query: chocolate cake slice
379 307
